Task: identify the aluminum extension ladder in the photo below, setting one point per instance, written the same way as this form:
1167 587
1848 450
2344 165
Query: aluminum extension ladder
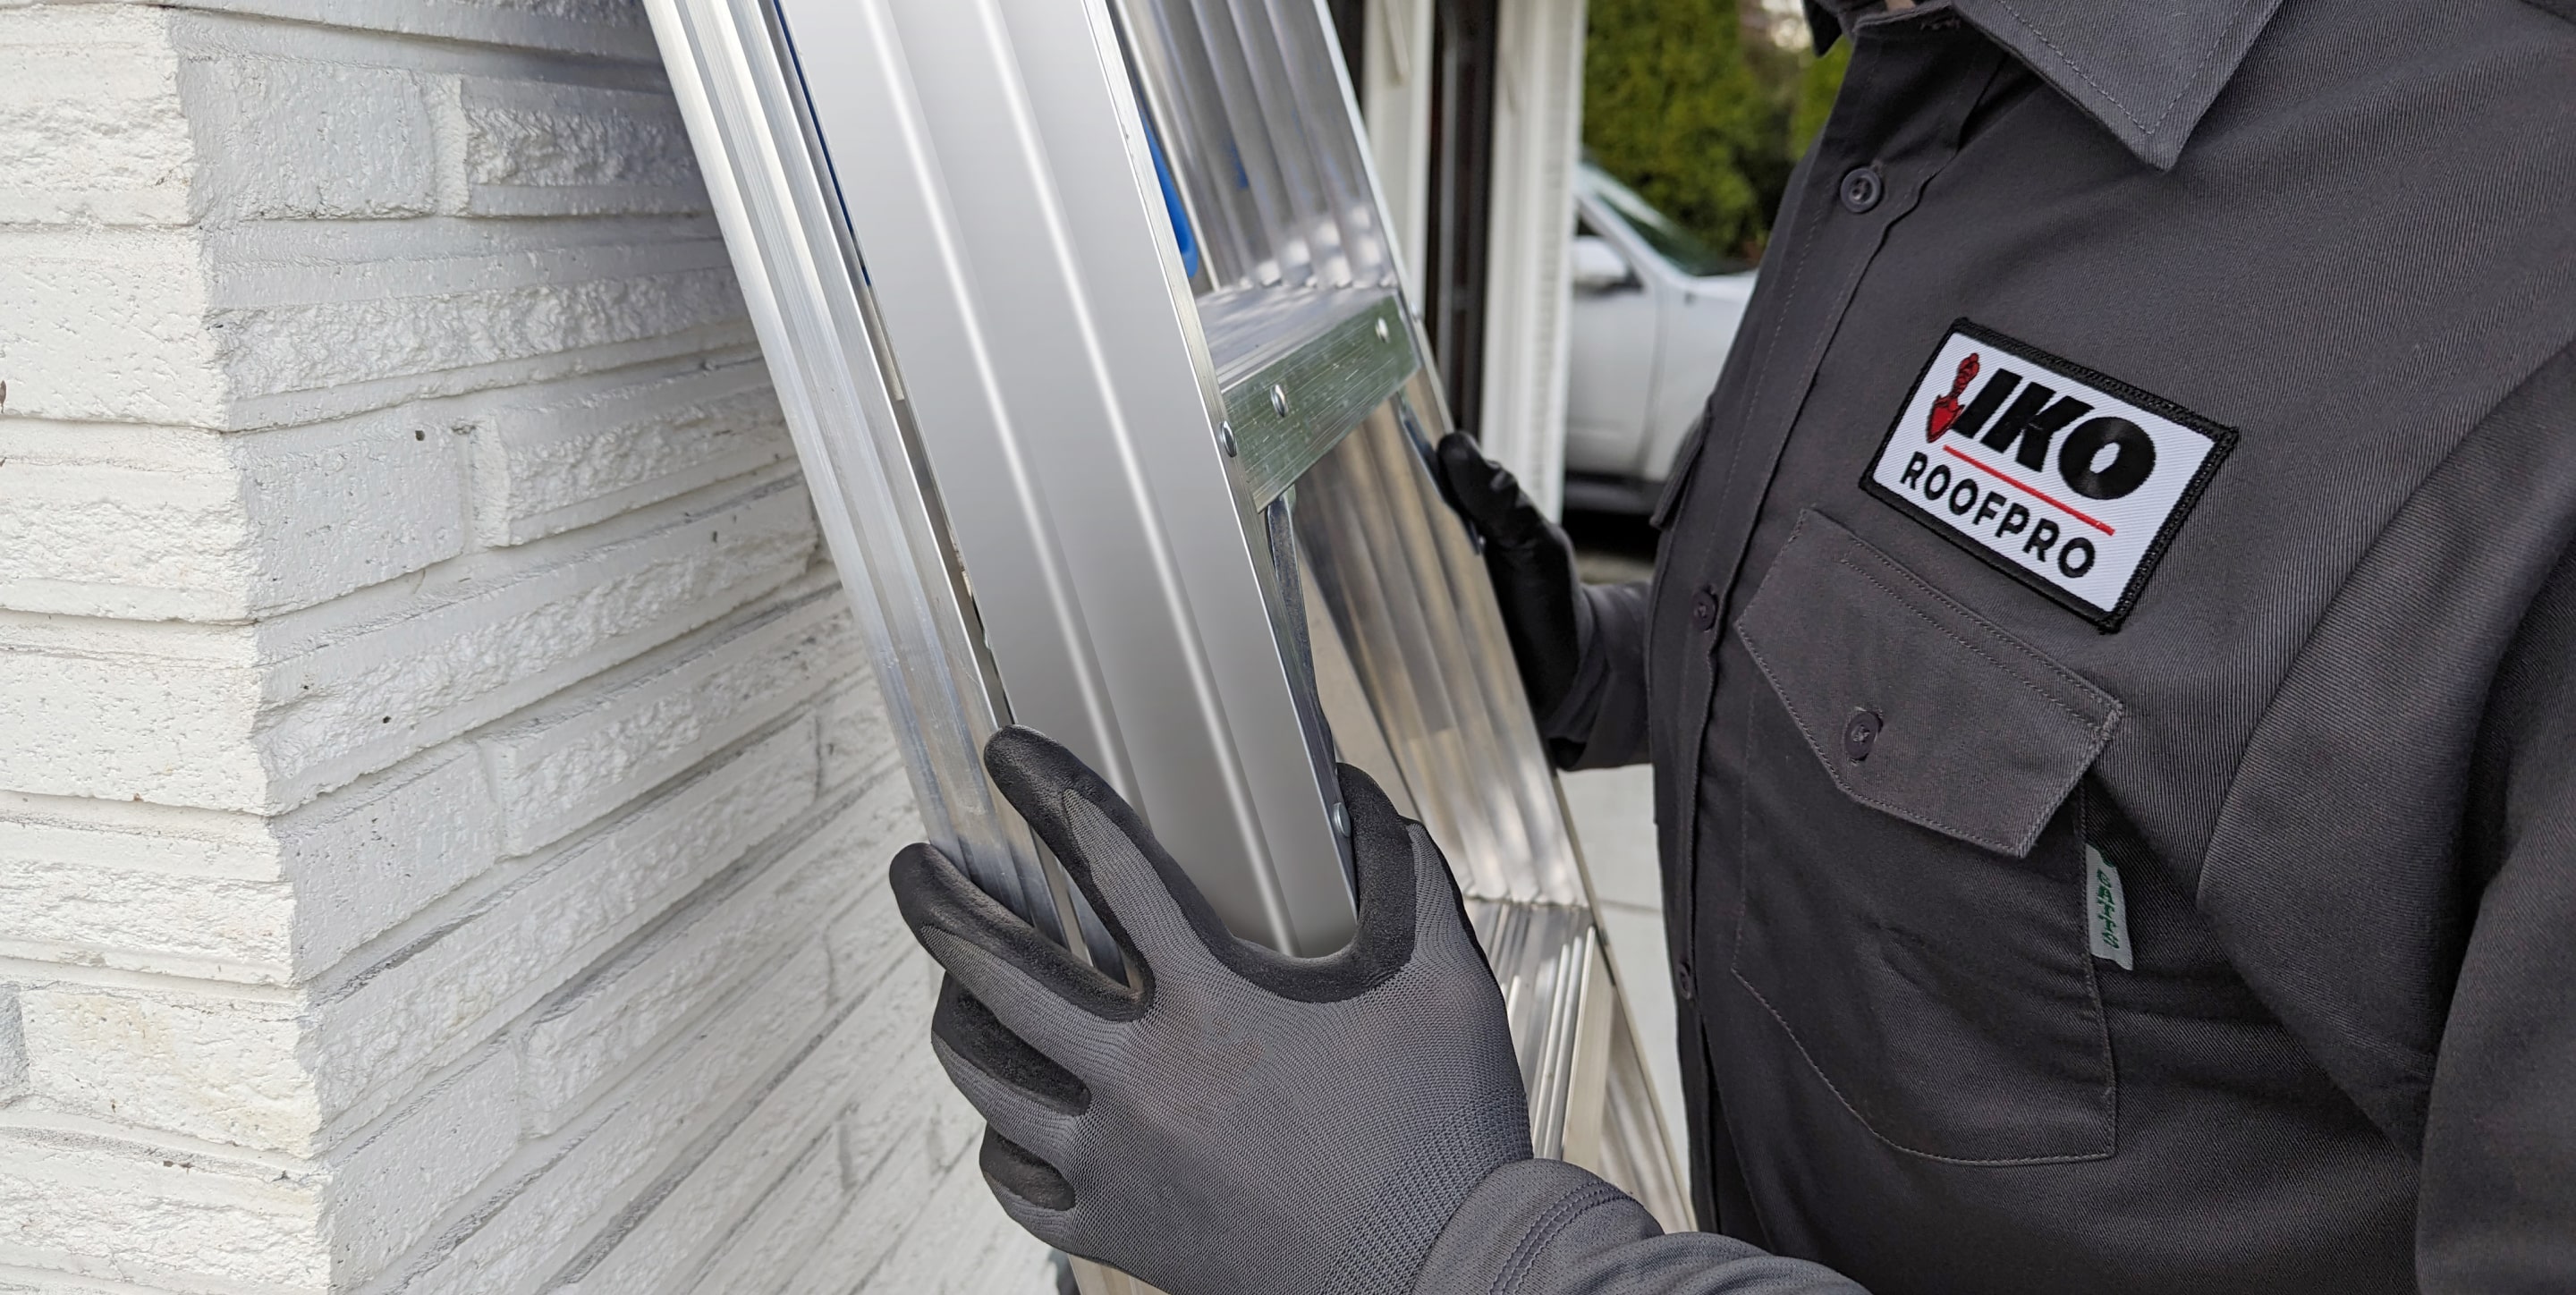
1089 332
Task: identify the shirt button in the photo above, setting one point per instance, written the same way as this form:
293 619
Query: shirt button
1682 982
1860 733
1703 611
1862 188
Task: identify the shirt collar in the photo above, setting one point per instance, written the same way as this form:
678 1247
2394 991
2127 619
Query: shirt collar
2147 70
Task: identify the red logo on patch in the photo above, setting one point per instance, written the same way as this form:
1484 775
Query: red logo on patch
1945 410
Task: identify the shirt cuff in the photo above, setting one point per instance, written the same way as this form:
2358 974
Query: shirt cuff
1602 720
1508 1222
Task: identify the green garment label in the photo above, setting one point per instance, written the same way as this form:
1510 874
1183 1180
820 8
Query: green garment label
2106 911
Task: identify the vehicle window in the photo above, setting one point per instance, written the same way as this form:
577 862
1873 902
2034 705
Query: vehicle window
1686 250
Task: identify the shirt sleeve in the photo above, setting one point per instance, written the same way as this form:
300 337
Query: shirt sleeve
1544 1227
1602 721
2497 1210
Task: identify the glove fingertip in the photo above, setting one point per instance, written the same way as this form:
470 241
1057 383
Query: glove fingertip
1371 808
1035 772
1400 873
1015 1172
924 882
972 1031
1457 452
1064 801
1030 767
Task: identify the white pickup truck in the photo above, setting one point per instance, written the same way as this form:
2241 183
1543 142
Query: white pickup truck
1655 310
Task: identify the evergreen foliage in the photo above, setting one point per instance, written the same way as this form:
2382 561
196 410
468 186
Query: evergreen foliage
1698 122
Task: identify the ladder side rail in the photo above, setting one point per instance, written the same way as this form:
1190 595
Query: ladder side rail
992 161
1549 863
879 516
1387 617
1503 769
1265 175
1521 831
1522 777
1263 47
1181 92
1313 52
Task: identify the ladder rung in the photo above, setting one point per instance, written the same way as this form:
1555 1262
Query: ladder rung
1299 368
1542 955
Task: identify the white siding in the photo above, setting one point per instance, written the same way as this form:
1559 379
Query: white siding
442 807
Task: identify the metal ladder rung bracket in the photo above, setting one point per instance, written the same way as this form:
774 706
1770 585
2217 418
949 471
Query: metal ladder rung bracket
1300 370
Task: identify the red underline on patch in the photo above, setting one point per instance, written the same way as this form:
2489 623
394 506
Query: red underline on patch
2040 495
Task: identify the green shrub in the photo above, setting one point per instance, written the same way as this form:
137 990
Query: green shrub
1704 127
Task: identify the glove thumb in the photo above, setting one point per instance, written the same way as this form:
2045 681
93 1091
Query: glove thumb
1489 495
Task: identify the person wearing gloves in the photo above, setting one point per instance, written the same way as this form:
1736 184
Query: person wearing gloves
2110 675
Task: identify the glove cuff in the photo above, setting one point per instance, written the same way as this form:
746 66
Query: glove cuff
1507 1224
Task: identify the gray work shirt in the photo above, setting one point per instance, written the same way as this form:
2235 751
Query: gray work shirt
2111 677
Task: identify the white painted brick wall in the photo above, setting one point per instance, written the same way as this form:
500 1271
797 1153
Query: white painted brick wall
442 810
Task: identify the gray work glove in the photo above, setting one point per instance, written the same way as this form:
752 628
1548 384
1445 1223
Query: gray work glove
1531 566
1246 1123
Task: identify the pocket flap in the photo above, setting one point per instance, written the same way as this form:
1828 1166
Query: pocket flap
1916 705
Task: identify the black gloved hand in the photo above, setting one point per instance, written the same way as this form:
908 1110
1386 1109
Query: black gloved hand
1532 567
1248 1123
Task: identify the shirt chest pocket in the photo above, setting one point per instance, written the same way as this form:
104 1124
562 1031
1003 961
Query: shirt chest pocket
1913 906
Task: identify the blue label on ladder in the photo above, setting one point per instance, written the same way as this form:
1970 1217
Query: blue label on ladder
1172 202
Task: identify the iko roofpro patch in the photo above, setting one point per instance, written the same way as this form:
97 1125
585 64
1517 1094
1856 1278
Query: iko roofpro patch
2070 481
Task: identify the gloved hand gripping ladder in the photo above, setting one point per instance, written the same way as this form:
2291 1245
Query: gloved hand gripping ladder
1094 351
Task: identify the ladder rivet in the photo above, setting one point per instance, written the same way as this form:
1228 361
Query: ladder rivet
1341 821
1279 400
1225 438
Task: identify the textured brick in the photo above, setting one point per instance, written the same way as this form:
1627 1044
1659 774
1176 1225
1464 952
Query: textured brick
236 897
118 1211
337 508
758 1258
142 888
423 1003
203 720
137 918
111 725
370 855
490 649
222 1069
306 140
686 1221
939 1121
288 326
13 1047
858 740
867 939
533 149
244 526
104 540
952 1247
109 324
534 1226
609 28
595 1025
584 752
883 1203
388 1190
920 1217
443 797
90 118
594 451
